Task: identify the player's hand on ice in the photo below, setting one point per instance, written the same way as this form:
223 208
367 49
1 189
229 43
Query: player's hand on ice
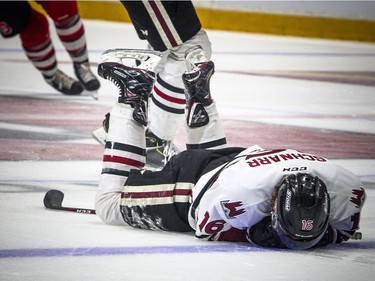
263 235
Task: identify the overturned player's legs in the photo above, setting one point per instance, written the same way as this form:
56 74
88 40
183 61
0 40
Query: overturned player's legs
167 106
209 136
204 129
125 147
168 100
124 150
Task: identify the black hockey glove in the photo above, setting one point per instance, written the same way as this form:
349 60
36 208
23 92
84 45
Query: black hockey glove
263 235
328 238
334 236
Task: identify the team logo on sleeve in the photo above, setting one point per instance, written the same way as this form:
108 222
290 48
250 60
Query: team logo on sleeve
232 209
358 197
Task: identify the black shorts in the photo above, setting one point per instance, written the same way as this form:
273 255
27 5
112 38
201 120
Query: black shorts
156 26
142 207
14 17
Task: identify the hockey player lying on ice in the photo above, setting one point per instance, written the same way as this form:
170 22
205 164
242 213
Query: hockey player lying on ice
273 198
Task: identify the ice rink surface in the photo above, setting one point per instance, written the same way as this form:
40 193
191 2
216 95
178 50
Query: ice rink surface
313 95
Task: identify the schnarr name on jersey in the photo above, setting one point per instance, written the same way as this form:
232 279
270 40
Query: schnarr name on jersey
254 161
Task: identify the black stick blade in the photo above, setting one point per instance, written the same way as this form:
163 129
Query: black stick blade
53 199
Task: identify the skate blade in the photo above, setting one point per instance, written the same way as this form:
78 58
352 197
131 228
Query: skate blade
100 135
148 59
93 94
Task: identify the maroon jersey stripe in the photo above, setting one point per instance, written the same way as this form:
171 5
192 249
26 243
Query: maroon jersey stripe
157 194
123 160
163 23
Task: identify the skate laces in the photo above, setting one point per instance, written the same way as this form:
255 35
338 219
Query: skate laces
159 151
169 150
61 80
194 58
84 72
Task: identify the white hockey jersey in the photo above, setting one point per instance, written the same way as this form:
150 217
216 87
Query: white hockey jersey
241 195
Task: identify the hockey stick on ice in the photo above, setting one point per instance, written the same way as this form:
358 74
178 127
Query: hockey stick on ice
53 200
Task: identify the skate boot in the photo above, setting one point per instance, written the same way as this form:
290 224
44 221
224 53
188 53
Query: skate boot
158 151
197 86
134 86
64 84
88 80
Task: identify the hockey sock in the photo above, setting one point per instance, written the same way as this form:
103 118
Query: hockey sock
167 107
124 150
38 45
72 35
209 136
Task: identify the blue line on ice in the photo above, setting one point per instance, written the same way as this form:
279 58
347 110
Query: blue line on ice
107 251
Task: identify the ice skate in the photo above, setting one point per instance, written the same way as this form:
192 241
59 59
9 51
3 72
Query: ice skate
88 80
134 86
158 151
64 84
197 86
146 59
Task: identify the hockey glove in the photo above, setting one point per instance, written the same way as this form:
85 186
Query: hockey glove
329 237
333 235
262 234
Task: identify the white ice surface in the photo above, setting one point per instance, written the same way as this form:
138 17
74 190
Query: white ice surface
57 245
